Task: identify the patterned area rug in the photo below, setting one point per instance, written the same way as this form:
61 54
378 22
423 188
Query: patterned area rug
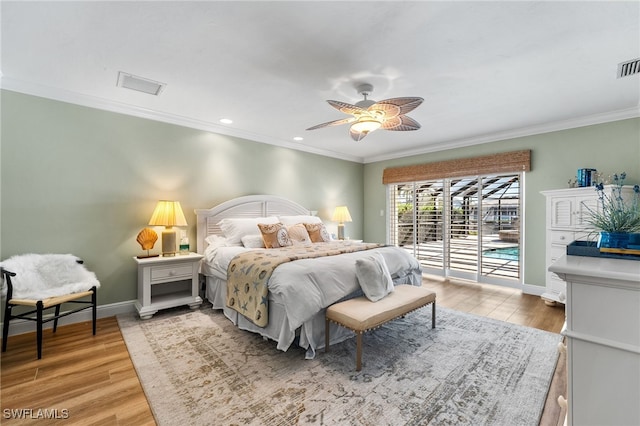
196 368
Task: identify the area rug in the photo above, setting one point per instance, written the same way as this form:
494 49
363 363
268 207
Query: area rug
196 368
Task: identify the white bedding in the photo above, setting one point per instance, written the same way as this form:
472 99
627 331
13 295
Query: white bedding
302 289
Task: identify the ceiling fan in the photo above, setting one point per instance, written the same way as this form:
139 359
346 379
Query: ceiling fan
369 115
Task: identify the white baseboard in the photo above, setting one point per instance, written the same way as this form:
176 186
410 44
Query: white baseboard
20 326
104 311
535 290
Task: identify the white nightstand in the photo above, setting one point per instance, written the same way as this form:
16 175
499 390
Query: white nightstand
165 282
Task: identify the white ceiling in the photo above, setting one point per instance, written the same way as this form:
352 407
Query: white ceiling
486 70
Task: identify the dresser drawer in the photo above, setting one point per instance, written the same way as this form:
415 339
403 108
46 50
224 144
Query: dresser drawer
562 237
556 252
173 273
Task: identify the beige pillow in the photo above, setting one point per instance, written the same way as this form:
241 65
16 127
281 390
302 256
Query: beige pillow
317 232
298 234
274 235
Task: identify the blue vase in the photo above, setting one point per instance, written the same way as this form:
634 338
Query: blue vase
613 239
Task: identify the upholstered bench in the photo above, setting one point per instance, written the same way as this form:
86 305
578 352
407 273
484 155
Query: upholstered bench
361 315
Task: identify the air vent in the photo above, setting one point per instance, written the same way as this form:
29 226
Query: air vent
129 81
628 68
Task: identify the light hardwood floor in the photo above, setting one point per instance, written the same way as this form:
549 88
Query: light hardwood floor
91 380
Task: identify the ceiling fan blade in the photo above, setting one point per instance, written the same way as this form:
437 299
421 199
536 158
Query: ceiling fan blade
346 108
357 136
396 106
333 123
400 123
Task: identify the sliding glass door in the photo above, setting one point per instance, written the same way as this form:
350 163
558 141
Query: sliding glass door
461 227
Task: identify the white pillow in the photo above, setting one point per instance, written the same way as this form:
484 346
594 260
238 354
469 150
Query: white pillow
216 240
293 220
236 228
374 277
253 241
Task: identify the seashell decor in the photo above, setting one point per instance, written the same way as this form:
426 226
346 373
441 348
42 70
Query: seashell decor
147 239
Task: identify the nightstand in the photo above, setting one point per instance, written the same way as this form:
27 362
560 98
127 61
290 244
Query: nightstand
165 282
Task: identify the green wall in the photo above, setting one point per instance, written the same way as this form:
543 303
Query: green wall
85 181
611 147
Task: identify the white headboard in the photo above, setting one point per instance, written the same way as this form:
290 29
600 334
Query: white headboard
247 206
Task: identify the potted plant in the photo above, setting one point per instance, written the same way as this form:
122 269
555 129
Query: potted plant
616 218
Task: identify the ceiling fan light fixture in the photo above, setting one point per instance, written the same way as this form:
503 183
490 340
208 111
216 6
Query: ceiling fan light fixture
366 125
368 116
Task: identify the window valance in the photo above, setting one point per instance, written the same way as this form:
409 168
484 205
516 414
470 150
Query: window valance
507 162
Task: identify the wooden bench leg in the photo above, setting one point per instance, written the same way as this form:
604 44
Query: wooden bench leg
433 315
359 351
327 326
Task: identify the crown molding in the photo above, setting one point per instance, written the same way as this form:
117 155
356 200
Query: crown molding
514 133
67 96
14 85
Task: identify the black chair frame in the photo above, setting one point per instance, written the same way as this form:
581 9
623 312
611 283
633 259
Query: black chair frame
41 307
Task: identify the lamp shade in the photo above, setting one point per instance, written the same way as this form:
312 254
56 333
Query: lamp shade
341 215
168 213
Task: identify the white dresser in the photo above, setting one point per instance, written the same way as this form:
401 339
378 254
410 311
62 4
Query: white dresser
603 339
566 221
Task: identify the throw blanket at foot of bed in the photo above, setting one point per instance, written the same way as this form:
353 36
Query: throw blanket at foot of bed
249 272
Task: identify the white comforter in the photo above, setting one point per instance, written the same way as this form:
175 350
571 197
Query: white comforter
307 286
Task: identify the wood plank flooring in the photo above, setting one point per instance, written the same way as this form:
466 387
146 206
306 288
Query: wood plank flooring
91 380
81 379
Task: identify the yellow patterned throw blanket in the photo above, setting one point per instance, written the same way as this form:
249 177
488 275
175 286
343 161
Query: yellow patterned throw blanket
249 272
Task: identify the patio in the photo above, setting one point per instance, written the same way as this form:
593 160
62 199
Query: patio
464 256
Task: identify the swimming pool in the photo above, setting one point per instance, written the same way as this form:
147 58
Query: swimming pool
505 253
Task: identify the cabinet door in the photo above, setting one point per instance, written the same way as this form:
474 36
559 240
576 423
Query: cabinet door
562 212
584 207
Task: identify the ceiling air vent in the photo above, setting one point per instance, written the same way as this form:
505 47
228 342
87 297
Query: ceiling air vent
129 81
628 68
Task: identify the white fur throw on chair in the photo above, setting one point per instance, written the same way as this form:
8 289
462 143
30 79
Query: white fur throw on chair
39 276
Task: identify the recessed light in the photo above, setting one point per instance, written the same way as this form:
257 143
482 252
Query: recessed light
226 121
298 138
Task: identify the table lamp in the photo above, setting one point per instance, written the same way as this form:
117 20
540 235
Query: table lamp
168 214
341 215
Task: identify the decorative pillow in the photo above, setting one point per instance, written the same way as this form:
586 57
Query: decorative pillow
318 232
253 241
274 235
298 234
236 228
292 220
374 277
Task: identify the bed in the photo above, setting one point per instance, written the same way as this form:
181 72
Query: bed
298 291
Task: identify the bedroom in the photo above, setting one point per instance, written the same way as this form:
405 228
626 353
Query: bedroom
79 178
